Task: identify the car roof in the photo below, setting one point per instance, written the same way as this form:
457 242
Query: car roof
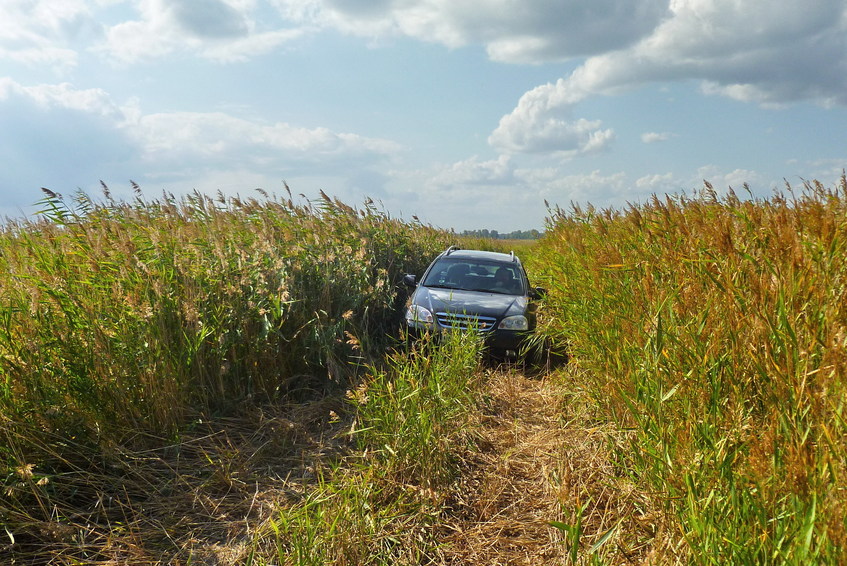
480 254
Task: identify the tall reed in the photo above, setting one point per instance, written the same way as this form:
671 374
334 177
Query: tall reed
716 329
413 423
121 323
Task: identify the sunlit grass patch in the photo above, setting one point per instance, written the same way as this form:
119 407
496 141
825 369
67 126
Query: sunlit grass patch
413 421
714 328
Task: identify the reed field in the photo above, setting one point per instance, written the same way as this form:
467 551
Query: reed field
203 380
124 327
713 332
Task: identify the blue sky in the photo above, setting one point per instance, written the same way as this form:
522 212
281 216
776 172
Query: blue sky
467 114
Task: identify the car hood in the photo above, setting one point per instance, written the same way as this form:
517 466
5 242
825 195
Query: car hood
469 302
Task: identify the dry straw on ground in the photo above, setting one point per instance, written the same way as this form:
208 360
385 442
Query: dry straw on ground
540 459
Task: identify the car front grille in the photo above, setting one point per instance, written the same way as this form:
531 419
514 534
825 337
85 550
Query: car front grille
465 321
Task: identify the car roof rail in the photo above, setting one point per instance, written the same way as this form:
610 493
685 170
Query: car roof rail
512 255
450 250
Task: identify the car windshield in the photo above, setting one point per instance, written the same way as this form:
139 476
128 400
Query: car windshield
476 275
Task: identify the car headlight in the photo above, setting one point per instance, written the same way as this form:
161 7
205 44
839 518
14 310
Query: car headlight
416 313
517 322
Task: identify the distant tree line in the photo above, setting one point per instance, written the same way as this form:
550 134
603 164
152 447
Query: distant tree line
495 235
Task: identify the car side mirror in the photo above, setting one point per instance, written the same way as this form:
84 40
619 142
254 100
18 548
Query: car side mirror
409 280
538 293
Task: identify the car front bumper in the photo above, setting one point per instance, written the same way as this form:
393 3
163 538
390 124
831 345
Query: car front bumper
501 343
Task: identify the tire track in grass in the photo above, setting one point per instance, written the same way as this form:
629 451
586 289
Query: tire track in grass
540 462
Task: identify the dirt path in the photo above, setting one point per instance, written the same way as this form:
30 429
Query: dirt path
510 492
538 457
539 463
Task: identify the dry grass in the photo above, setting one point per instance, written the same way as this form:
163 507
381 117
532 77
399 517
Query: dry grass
541 459
537 457
502 508
496 245
713 329
199 501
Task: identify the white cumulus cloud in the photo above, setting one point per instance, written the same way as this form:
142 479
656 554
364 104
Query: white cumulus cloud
219 30
475 172
179 136
657 183
63 95
655 137
768 53
525 31
176 145
524 131
41 32
542 123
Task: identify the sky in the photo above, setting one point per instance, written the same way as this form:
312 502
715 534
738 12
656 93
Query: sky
466 114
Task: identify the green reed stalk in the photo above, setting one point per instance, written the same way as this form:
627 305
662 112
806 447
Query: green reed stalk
123 323
715 329
413 419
